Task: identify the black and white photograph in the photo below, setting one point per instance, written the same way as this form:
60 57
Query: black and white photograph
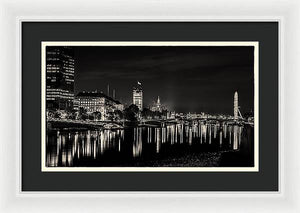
149 106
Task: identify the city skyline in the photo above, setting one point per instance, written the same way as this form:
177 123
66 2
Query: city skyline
187 79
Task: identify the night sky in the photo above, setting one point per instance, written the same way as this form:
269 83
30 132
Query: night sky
187 79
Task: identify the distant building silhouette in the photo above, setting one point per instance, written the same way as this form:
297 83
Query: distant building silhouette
157 107
59 77
137 96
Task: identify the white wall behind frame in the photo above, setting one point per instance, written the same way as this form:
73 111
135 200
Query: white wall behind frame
287 11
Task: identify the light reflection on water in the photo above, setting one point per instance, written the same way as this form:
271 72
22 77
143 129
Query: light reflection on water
106 147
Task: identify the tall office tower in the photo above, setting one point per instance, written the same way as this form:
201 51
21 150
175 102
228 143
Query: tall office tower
236 106
60 70
137 95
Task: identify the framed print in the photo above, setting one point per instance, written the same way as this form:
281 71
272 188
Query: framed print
162 106
96 131
187 57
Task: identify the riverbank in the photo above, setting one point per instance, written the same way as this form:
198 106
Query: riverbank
210 159
205 159
82 125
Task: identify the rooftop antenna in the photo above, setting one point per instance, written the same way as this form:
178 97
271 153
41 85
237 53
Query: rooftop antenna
107 89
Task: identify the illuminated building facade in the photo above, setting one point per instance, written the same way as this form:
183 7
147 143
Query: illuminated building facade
97 102
59 77
137 95
171 115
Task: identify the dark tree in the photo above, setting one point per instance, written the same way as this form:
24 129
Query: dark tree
119 114
111 116
71 114
97 115
146 113
82 114
131 112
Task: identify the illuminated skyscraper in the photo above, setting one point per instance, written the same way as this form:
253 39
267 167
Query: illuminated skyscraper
137 95
59 77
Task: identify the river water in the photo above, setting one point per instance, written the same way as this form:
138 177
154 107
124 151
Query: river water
140 146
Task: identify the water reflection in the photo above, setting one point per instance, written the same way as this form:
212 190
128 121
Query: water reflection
137 143
105 147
